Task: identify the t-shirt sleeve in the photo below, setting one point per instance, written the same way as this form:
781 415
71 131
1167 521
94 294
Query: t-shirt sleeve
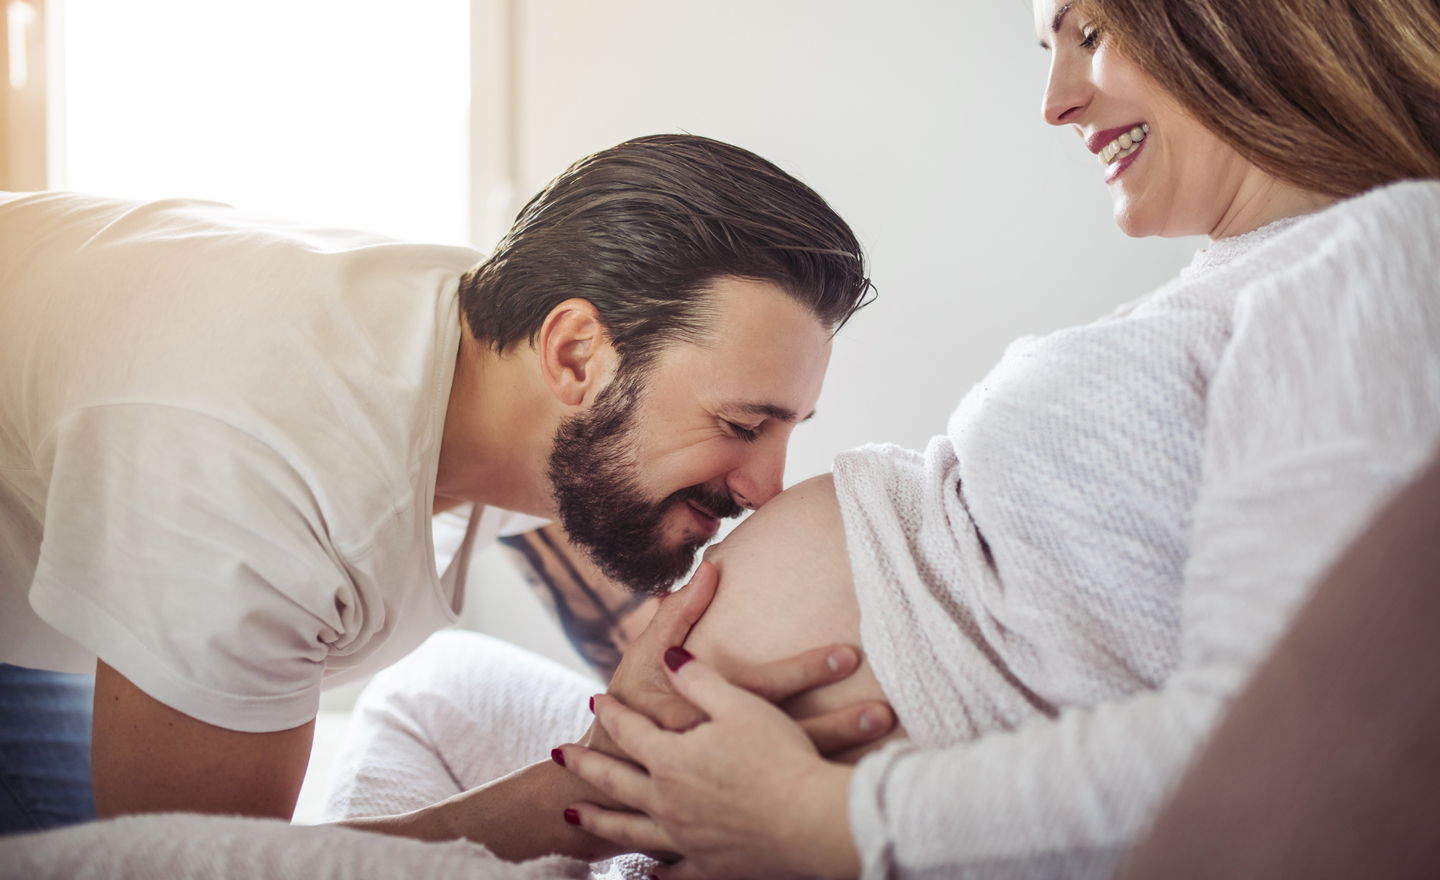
1327 402
193 559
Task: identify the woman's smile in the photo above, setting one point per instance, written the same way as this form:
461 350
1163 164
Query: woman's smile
1117 148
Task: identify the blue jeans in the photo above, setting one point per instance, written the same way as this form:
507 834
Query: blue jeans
45 720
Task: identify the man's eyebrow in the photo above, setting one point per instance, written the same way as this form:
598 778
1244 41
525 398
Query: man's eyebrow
1055 22
772 411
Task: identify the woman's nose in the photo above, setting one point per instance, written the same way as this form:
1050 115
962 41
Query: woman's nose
1067 91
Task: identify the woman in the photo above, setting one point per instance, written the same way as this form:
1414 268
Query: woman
1061 593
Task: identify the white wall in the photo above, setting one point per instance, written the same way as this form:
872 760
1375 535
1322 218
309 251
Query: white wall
918 121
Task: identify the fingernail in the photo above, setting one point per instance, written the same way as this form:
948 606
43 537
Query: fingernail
677 657
871 721
559 757
837 660
572 817
592 705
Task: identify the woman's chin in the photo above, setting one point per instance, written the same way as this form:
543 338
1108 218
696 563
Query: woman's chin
1131 217
1168 216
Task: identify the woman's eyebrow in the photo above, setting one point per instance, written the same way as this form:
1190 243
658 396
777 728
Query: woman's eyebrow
1055 23
1059 18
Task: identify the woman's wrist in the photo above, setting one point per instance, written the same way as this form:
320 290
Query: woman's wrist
818 827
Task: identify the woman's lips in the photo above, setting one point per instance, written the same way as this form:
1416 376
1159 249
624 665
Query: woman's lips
1098 140
1117 148
1118 167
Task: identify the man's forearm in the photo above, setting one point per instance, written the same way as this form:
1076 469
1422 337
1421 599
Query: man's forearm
520 816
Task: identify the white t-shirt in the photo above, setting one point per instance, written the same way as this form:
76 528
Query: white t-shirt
218 442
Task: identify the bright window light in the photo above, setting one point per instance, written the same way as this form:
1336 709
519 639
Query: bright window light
349 112
19 17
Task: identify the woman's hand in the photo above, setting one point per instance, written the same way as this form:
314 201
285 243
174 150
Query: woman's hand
641 683
744 794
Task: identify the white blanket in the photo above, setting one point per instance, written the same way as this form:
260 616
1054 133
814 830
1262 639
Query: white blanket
186 846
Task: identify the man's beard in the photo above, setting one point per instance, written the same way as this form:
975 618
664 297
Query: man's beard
592 474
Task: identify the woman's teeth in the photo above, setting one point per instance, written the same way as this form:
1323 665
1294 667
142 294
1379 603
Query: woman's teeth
1124 145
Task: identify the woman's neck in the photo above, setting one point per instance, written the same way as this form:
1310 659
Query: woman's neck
1261 200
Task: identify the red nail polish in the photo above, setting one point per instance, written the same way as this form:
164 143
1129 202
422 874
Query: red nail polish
572 817
677 657
592 705
557 756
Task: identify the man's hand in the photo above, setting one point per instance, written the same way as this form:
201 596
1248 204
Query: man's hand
640 681
147 758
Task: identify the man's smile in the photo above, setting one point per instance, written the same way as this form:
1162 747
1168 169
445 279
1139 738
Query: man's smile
707 522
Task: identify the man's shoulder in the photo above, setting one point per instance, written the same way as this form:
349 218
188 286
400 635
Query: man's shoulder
333 346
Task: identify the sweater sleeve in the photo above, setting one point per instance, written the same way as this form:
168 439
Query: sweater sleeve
1326 401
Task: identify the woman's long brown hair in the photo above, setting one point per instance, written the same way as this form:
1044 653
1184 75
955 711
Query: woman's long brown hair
1333 96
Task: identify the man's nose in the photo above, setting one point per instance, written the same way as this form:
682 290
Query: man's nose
762 475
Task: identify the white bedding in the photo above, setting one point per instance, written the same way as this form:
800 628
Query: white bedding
185 846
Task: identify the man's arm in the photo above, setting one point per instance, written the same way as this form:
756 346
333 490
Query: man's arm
521 816
518 817
147 757
600 616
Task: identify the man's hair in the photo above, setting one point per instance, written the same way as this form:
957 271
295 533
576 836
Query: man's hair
1334 96
642 229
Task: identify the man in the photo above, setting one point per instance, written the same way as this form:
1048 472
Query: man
222 439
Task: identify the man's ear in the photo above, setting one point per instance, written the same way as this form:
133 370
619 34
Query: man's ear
576 357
